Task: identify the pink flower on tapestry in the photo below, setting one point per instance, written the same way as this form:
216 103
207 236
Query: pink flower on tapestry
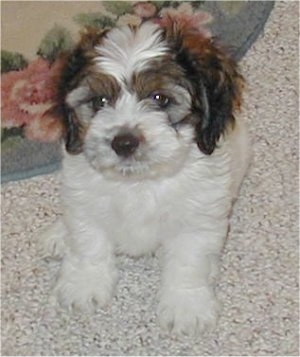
27 97
186 16
144 9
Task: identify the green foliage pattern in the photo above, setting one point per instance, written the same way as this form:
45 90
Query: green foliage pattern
12 61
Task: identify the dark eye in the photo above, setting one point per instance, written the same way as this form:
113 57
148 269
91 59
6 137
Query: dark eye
99 102
161 100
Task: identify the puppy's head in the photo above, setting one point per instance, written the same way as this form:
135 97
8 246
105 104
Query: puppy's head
138 99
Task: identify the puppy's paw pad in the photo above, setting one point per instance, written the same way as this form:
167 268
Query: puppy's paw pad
188 311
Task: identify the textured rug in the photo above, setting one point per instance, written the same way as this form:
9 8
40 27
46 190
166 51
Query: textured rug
236 23
258 287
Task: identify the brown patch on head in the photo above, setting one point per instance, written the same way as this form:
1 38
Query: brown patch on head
216 82
105 85
161 74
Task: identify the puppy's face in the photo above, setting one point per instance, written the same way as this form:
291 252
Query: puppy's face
136 100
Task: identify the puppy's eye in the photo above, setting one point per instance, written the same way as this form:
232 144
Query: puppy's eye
160 99
99 102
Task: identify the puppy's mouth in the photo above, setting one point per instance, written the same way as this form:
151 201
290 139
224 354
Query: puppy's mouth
130 168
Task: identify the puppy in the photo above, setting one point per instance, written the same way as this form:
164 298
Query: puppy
154 158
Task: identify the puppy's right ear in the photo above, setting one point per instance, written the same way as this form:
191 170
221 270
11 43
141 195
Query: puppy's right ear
77 63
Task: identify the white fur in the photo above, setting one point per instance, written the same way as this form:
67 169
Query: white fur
124 51
167 194
186 213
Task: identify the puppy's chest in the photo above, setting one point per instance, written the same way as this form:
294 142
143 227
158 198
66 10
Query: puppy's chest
138 214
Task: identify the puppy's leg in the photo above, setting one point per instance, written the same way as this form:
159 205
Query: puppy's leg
51 241
88 273
187 300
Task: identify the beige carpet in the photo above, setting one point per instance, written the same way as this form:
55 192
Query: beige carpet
259 283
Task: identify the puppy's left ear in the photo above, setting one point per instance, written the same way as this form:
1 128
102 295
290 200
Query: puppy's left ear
215 81
218 97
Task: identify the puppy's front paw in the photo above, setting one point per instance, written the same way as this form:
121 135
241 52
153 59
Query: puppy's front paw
188 311
87 288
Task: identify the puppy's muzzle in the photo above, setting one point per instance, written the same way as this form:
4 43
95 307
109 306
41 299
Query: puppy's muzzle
125 144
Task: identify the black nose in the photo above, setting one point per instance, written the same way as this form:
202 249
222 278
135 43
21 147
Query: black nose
125 144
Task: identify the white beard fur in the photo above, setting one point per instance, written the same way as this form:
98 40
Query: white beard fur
186 214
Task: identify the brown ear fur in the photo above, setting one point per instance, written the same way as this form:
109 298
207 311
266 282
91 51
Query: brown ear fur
216 81
77 62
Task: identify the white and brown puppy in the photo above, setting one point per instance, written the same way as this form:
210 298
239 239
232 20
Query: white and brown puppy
154 158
